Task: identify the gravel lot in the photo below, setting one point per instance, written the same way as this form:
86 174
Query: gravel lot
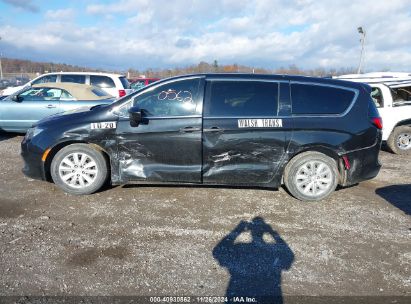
158 240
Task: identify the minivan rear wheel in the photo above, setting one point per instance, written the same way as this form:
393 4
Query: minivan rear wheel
79 169
399 141
311 176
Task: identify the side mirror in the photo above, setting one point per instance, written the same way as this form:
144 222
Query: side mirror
136 116
16 98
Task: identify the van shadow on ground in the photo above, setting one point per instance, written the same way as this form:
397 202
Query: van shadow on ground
397 195
255 264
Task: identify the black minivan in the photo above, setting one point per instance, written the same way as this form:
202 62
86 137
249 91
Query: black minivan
310 134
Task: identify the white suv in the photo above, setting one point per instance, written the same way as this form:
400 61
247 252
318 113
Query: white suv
114 84
391 93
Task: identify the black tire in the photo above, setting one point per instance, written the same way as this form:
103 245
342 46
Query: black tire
394 141
98 179
298 163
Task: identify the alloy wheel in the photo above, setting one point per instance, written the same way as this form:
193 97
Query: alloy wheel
404 141
78 170
314 178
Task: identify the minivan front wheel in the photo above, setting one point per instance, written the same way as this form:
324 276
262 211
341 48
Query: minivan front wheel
79 169
311 176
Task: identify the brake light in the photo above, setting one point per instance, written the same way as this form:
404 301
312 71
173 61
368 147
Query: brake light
122 93
377 121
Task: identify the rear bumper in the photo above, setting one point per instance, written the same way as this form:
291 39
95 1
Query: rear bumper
364 165
33 165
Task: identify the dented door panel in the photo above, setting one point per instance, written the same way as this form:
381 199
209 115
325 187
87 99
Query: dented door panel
245 150
238 156
160 150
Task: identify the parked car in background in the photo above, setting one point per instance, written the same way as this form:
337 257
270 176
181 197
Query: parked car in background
311 134
12 82
4 83
138 83
18 112
391 93
19 80
114 84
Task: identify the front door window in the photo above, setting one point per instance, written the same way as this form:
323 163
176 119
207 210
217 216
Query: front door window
41 94
172 99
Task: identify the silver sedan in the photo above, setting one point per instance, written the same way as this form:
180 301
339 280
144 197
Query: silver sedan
19 111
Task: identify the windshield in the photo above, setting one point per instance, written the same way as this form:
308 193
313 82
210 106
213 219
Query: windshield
16 93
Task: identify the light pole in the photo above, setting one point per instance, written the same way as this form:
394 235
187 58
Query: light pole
361 31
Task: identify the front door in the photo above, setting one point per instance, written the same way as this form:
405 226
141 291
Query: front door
166 145
31 106
244 139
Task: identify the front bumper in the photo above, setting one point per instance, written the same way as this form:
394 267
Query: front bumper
33 165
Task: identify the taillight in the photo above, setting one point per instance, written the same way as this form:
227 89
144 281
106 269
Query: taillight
121 93
377 121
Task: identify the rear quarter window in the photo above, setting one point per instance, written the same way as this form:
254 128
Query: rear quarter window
125 83
319 99
102 82
377 97
66 95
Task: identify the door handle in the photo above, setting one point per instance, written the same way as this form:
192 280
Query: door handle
213 129
189 129
51 106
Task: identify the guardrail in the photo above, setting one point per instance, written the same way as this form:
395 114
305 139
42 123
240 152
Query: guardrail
25 75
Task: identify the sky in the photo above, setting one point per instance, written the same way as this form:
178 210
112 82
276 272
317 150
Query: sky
142 34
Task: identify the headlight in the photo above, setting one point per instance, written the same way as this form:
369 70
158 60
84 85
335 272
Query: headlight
32 132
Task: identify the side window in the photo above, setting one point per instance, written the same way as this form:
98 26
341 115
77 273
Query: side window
45 79
242 98
41 94
178 98
53 94
401 95
74 78
102 82
377 97
66 95
320 100
32 94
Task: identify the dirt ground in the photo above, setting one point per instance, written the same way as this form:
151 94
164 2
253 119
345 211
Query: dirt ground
164 240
